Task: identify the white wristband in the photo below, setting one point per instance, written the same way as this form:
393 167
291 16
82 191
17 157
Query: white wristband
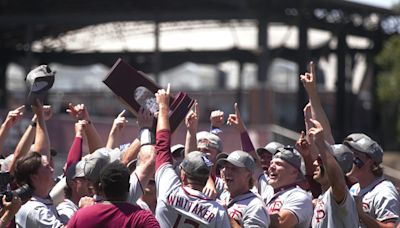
146 137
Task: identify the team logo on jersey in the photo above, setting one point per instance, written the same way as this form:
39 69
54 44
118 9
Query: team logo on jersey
236 213
275 206
320 215
319 211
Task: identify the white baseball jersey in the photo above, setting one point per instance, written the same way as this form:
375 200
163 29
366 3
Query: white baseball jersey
179 206
328 213
263 186
219 186
247 209
38 212
380 199
135 189
293 199
66 210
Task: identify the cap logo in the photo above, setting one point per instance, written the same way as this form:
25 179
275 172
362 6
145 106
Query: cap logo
206 161
362 141
235 156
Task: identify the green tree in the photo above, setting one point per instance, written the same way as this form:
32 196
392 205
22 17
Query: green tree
388 88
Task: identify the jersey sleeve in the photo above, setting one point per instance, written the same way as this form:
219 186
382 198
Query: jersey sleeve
247 145
65 212
300 204
41 216
163 144
75 152
387 205
256 215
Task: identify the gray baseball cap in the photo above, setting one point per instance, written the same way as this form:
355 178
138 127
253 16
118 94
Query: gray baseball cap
344 156
93 163
365 144
290 155
74 171
38 81
270 148
207 139
196 164
240 159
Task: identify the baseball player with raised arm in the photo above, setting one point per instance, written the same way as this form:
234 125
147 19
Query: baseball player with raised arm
180 202
335 207
377 199
288 205
245 208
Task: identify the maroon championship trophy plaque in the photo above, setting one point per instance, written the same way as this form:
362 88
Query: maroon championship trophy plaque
135 90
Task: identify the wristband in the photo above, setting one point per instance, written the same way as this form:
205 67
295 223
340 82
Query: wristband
215 130
146 137
33 124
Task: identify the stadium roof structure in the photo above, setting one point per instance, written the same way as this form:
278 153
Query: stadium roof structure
24 22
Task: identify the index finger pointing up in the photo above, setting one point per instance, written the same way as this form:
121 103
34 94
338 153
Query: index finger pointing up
168 88
312 68
122 113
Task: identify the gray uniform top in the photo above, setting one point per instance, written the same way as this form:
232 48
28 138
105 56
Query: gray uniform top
66 210
293 199
328 213
380 199
263 186
247 209
219 186
135 189
37 212
179 206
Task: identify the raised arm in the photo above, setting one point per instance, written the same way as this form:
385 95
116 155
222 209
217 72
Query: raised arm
309 82
24 143
118 124
42 140
304 147
145 120
146 158
333 170
12 118
163 134
79 112
75 152
192 122
216 120
236 121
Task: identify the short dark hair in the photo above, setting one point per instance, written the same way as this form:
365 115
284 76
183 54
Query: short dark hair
114 180
202 181
27 166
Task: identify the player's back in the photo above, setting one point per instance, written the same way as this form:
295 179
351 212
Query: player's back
186 207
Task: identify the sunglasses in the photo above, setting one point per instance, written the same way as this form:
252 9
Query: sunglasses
358 162
289 148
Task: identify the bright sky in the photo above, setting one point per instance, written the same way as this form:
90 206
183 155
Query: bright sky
379 3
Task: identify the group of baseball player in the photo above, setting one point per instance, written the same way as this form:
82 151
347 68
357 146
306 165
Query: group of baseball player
151 183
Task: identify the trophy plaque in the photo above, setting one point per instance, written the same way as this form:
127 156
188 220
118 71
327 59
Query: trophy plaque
135 89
